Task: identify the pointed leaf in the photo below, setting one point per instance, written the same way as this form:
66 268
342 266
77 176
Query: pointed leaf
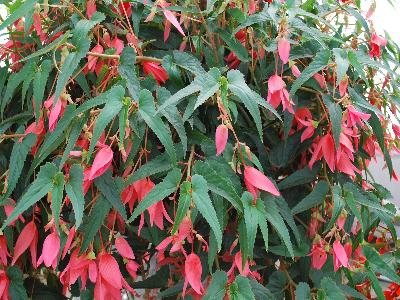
216 289
148 112
204 205
75 192
57 193
126 69
184 201
335 115
159 192
316 197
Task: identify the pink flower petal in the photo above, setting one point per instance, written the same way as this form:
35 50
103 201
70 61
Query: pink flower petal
101 162
259 180
123 248
221 138
193 270
284 50
171 17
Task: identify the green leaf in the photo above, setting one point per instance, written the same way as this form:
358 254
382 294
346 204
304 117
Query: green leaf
320 61
260 291
234 45
335 115
16 289
126 69
110 110
349 197
116 92
299 177
148 112
360 101
75 192
57 196
159 164
158 193
303 291
192 88
251 220
238 86
107 186
39 83
260 17
342 63
316 197
188 62
184 201
203 203
286 213
240 289
75 131
221 180
38 189
338 206
377 264
210 84
332 291
82 44
273 216
358 67
173 116
376 285
53 45
358 16
17 160
262 222
93 222
21 11
216 289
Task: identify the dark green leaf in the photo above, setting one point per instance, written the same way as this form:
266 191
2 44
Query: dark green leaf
184 201
335 115
39 83
38 189
107 186
57 196
126 69
332 291
216 289
110 110
16 288
148 112
75 192
18 156
203 203
158 193
93 222
251 220
316 197
377 264
299 177
342 63
240 289
303 291
21 11
320 61
235 46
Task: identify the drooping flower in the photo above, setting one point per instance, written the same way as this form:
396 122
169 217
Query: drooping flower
37 23
343 86
255 180
318 255
193 271
320 80
28 238
56 111
90 8
295 71
38 130
284 50
304 119
101 162
324 148
277 93
68 243
4 254
4 285
375 45
50 251
340 257
8 209
221 138
92 60
156 70
123 248
110 280
355 117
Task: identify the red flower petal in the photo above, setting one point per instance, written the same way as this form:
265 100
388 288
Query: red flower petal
101 162
109 270
284 50
25 239
171 17
123 248
193 270
260 181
